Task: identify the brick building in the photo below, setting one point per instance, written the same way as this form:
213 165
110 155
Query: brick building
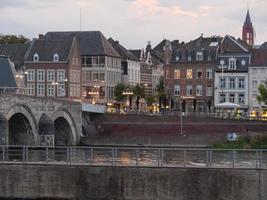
189 77
53 68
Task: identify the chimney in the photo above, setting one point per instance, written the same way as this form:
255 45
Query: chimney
41 36
148 47
117 43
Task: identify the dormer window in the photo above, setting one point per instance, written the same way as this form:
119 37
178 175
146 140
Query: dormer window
35 57
55 57
199 56
232 63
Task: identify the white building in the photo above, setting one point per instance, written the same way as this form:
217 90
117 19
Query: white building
257 76
231 74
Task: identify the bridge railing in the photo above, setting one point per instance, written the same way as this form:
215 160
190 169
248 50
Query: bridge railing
133 156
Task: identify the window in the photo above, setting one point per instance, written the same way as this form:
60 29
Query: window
189 58
232 63
61 90
222 83
189 90
177 58
222 98
231 83
189 73
102 76
31 89
232 98
199 73
241 83
209 74
55 57
40 89
40 75
209 91
177 74
50 75
176 90
241 99
167 73
61 75
199 56
50 90
95 77
35 57
31 75
199 90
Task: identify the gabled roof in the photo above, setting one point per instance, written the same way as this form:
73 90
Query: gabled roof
203 43
92 43
248 20
137 53
259 57
15 52
47 48
7 78
231 45
124 53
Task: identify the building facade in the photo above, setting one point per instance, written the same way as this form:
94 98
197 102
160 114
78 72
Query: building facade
257 76
53 69
101 65
189 78
129 63
231 76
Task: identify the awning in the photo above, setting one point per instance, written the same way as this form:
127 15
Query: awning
228 105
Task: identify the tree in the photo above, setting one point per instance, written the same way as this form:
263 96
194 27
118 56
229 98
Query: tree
118 91
161 91
262 97
13 39
139 92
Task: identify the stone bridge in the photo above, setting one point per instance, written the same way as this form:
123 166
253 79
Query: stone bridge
28 120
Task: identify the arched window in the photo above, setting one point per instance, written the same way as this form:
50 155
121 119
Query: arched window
55 57
35 57
232 63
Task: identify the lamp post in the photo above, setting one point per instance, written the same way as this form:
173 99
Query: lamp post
55 84
127 93
222 67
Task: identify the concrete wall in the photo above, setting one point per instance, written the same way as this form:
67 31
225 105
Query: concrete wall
121 183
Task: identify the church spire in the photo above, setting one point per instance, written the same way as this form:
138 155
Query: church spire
248 31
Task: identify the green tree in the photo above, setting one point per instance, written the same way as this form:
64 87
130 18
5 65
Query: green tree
139 92
262 97
118 91
161 91
13 39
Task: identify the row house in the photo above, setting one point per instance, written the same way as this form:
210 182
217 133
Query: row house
53 68
189 75
257 75
100 62
231 76
130 64
151 70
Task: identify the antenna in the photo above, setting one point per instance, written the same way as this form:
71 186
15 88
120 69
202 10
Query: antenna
80 19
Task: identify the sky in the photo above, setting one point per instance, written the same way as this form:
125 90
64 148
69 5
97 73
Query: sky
134 22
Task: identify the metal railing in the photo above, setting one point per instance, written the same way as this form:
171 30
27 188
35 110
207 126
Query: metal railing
133 156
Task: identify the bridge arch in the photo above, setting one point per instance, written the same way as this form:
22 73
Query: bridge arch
65 128
22 125
46 130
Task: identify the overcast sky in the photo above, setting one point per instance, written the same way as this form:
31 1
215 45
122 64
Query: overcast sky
134 22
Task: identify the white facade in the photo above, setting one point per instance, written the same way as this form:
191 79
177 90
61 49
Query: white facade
100 74
133 77
231 87
257 76
157 74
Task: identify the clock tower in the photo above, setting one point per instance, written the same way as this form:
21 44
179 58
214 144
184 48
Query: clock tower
248 31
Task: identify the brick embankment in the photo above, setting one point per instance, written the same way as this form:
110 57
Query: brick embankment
136 129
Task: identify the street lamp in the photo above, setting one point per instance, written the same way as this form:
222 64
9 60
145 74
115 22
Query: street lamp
222 67
55 89
127 93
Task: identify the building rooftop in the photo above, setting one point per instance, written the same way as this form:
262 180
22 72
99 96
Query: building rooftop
92 43
7 78
259 57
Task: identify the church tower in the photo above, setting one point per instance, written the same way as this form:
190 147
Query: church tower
248 31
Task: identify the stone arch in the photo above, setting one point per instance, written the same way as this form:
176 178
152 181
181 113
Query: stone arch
88 127
23 112
63 117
